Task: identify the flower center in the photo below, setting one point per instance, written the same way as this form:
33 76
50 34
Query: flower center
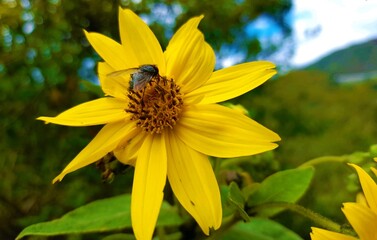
157 105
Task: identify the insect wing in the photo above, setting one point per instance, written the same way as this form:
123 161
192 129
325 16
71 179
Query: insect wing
122 72
140 79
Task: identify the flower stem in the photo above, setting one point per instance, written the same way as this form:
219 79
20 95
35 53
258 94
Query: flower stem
323 159
313 216
161 233
216 167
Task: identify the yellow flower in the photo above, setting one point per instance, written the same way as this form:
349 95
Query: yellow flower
361 215
166 124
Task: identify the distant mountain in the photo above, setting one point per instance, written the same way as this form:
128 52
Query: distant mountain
357 59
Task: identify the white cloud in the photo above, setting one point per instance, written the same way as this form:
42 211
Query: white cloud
323 26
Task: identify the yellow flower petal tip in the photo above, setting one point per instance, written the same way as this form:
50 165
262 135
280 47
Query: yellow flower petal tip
57 179
126 11
86 33
197 19
43 119
60 177
321 234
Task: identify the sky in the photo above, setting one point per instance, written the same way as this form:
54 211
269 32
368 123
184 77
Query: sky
324 26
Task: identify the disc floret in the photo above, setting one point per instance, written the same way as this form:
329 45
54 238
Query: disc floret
156 106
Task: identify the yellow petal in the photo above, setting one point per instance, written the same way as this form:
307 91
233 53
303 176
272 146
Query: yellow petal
148 185
104 142
362 219
369 187
321 234
128 153
113 86
139 42
234 81
112 52
99 111
222 132
190 60
360 199
194 183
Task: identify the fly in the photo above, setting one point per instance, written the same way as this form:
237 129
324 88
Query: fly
140 76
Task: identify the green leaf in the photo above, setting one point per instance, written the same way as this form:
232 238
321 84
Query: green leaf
285 186
99 216
228 210
259 229
236 198
235 194
120 236
92 88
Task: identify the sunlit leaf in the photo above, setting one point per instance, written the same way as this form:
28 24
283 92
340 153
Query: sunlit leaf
228 209
99 216
236 199
285 186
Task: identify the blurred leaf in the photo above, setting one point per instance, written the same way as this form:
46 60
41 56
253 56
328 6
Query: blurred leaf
260 229
250 189
227 209
99 216
357 157
236 198
285 186
92 88
373 151
120 236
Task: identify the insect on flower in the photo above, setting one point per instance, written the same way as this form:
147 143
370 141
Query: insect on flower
139 76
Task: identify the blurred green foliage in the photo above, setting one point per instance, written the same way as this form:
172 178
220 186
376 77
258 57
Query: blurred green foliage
316 116
44 56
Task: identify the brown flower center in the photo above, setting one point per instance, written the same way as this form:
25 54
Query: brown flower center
157 105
